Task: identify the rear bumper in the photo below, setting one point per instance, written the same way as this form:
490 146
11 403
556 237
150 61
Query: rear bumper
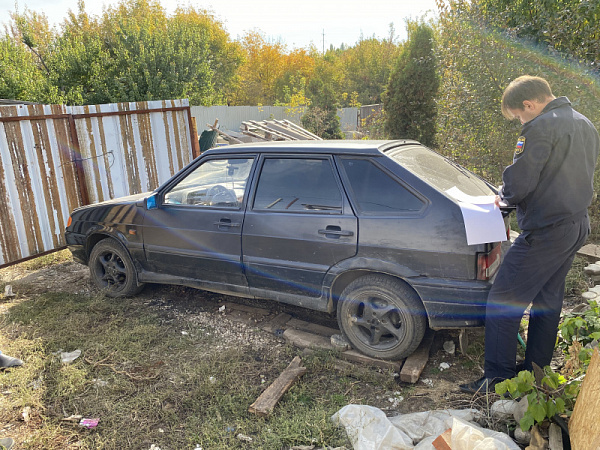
452 303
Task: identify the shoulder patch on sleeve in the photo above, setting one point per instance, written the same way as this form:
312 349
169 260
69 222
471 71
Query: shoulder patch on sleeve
520 145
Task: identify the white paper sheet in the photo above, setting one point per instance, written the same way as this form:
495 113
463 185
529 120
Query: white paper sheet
483 219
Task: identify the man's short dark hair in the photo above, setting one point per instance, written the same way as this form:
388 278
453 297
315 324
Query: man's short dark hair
524 88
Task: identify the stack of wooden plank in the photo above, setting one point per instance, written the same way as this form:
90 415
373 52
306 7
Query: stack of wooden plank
313 336
266 130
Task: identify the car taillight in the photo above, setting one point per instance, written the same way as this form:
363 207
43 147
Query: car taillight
488 263
69 221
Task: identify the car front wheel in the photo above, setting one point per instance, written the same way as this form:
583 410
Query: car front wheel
381 317
112 269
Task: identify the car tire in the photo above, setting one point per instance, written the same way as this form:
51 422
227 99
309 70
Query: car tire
381 317
112 269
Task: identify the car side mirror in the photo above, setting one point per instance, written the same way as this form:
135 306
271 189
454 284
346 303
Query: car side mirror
151 202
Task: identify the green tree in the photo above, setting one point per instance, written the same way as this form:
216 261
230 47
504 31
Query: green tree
24 48
367 67
409 101
264 64
133 52
20 76
321 117
569 26
152 57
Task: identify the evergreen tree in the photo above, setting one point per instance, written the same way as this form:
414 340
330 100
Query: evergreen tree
410 98
321 117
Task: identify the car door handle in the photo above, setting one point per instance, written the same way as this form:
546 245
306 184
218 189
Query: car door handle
227 223
336 232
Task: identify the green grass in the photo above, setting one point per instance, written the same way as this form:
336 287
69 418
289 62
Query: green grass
47 260
149 384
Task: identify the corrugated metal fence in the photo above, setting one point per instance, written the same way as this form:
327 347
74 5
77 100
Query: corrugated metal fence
54 158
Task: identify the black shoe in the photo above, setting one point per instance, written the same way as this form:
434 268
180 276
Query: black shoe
482 386
520 367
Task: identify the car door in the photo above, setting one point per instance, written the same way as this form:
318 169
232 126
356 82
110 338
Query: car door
195 232
298 225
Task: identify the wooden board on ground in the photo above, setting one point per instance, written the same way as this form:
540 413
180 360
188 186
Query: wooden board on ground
304 339
584 426
265 403
245 314
354 356
415 363
312 327
590 251
277 323
249 309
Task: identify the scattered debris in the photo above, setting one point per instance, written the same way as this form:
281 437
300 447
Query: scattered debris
590 251
89 423
25 413
415 363
339 342
369 427
185 333
444 366
264 405
522 437
537 441
222 309
244 438
395 400
69 357
8 291
443 441
100 383
449 347
503 409
73 418
427 381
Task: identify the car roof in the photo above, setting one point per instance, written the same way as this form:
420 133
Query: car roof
350 147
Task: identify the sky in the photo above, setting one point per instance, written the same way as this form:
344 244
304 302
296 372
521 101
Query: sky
297 24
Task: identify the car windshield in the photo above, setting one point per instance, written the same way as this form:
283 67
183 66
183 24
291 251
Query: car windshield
440 172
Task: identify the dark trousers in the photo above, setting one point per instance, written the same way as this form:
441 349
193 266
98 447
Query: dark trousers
533 272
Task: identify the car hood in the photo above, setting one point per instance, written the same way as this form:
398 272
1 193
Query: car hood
128 200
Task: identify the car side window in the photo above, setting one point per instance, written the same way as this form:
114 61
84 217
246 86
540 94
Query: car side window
298 184
375 191
216 183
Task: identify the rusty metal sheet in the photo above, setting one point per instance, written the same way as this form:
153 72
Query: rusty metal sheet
37 181
54 158
135 149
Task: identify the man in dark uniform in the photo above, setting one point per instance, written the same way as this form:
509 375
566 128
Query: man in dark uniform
551 183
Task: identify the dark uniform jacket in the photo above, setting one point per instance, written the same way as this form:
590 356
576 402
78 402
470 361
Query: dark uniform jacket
551 177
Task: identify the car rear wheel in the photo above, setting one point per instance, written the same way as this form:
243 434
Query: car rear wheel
382 317
112 269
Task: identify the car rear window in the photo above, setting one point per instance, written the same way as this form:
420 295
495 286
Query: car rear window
437 170
375 192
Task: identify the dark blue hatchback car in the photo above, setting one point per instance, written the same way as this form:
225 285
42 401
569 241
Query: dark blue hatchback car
365 229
